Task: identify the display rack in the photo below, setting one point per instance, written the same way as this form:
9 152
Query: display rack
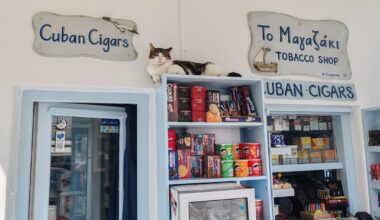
343 145
371 121
247 132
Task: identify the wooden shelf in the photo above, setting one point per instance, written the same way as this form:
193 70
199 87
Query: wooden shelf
306 167
214 124
214 180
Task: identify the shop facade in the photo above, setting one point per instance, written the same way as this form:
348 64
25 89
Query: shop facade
198 38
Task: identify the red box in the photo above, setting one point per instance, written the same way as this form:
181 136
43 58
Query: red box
172 135
172 145
198 116
183 163
198 92
198 105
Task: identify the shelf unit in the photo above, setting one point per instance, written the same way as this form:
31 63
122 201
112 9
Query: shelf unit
244 132
306 167
344 146
371 121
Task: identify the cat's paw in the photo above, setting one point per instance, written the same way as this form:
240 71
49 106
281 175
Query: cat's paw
156 79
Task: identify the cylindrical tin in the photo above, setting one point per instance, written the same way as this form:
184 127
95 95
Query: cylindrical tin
172 135
255 167
241 168
172 145
235 151
259 209
224 151
227 168
250 150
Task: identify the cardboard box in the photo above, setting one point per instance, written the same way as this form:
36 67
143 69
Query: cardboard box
320 143
173 165
329 155
315 156
172 92
303 157
313 216
303 143
183 163
197 144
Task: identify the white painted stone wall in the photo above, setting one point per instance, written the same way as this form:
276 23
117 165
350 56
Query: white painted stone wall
213 30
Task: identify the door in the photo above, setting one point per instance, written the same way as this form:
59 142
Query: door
78 163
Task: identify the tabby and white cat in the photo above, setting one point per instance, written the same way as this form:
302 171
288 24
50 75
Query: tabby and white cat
160 62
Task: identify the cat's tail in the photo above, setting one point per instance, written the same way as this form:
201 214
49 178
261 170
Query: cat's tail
216 70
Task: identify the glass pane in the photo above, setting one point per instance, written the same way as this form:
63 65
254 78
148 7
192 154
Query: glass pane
84 169
229 209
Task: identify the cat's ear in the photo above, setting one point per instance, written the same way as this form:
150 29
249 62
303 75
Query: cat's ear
169 49
151 46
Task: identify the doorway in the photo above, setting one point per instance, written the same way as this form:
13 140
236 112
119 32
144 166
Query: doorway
78 168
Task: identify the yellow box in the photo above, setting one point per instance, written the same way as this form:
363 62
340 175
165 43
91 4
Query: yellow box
303 143
314 216
303 156
320 143
329 155
315 156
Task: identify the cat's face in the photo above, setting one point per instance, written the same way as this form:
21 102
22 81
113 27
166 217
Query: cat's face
159 56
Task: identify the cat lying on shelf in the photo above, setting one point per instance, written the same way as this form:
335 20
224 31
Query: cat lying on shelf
160 62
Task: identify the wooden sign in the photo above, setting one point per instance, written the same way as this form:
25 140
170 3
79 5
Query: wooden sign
75 36
288 89
285 45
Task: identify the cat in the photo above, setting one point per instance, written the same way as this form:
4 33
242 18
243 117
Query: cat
160 62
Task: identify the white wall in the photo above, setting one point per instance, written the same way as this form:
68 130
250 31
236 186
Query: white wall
213 30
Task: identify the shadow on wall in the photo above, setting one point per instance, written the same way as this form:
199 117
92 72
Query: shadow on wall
2 193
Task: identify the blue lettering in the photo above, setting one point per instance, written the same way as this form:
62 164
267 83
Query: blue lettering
298 90
315 39
41 32
81 39
288 89
324 92
125 43
311 89
268 88
341 91
64 36
90 37
284 33
265 36
350 93
334 92
55 37
106 42
279 89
